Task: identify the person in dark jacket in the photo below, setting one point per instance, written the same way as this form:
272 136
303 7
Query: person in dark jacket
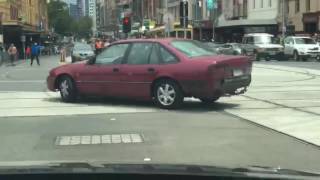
35 51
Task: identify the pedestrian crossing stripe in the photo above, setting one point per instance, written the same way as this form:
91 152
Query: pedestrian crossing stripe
26 104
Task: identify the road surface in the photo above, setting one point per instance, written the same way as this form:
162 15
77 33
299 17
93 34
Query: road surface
276 123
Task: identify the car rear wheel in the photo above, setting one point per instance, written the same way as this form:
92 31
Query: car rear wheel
256 56
67 89
209 100
267 58
296 56
168 94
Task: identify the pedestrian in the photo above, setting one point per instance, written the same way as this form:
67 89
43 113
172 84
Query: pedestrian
35 51
28 52
12 51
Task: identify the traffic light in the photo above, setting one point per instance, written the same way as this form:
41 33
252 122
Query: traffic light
126 24
184 15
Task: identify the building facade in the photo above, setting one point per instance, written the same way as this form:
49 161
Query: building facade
23 21
239 17
304 16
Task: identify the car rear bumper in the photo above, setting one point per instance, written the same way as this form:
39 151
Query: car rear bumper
51 83
235 85
224 87
269 54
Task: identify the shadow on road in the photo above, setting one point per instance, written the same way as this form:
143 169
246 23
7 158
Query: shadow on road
188 106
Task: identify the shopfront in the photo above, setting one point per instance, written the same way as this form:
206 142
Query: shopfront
311 22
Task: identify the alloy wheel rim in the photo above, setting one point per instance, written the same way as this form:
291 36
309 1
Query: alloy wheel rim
166 94
64 88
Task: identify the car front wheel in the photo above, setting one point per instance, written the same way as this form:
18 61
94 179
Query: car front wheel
168 94
296 56
67 89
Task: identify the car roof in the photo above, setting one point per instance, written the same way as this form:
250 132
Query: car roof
162 40
258 34
294 37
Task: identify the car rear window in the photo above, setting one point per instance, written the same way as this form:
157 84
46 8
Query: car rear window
192 48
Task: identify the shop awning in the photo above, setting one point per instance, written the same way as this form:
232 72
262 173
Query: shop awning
244 22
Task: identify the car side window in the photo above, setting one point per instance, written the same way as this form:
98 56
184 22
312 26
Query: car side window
139 53
244 41
167 57
154 56
250 40
112 55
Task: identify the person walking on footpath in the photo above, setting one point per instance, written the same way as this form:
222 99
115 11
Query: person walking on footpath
28 52
35 51
12 51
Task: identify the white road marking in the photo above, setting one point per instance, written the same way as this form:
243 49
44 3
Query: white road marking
22 81
22 104
98 139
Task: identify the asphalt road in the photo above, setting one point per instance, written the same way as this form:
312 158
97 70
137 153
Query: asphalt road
260 128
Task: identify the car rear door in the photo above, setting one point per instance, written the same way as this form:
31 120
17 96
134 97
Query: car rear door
141 68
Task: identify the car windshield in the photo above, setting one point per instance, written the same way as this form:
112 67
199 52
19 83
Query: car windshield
264 40
304 41
221 83
82 47
192 48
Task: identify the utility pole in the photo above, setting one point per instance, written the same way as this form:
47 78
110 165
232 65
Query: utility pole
142 13
284 15
184 19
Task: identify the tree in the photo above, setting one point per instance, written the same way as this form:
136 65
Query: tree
64 24
84 26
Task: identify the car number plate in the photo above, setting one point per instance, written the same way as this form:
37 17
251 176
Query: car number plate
272 53
237 72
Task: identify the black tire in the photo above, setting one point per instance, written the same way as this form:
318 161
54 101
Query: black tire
67 89
267 58
256 56
162 100
209 100
73 60
296 56
304 59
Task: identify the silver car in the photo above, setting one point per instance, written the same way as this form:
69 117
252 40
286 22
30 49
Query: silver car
82 51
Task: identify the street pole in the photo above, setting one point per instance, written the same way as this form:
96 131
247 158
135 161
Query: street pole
184 20
214 24
284 18
142 14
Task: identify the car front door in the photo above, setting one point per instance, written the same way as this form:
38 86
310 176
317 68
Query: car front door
104 76
141 68
288 46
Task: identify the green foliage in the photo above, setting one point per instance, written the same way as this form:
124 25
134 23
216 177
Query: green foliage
64 24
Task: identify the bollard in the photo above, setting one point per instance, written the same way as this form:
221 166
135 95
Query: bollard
63 55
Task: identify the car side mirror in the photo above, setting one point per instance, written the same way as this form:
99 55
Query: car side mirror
92 60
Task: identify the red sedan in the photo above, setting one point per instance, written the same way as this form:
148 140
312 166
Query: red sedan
162 70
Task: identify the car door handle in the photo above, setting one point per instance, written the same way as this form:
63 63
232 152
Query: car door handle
115 70
152 70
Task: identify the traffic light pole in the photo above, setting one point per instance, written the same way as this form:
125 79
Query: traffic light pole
184 20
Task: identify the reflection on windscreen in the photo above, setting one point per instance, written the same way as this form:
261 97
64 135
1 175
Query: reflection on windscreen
264 40
192 48
304 41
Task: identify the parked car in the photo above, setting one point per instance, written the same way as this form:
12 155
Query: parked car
81 51
301 48
262 45
230 49
163 70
